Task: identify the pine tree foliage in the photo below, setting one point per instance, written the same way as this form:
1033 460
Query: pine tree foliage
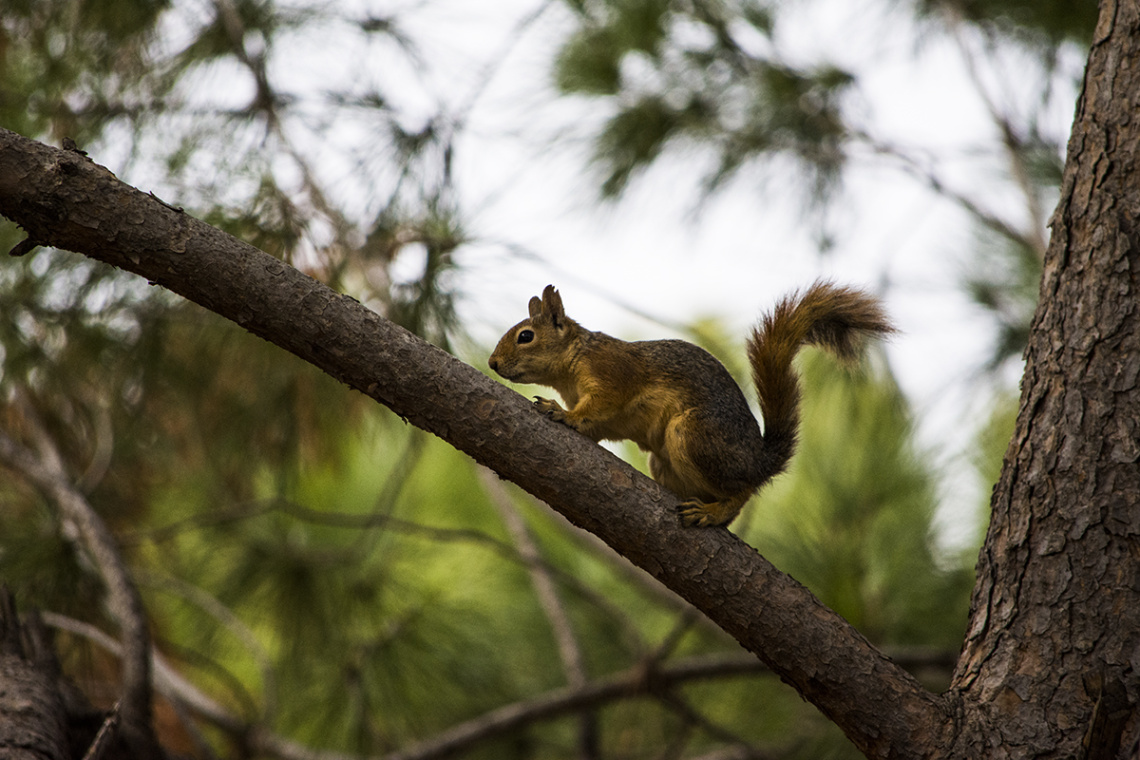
700 76
854 523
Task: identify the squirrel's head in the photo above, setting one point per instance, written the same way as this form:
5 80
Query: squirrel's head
538 349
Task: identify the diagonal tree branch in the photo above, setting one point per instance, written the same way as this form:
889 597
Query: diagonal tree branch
63 199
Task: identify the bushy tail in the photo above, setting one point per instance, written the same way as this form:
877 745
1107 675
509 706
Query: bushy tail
826 315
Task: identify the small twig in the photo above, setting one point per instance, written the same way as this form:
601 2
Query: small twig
236 626
573 664
70 145
686 618
569 650
168 681
106 733
915 168
616 687
689 714
172 207
24 247
1035 236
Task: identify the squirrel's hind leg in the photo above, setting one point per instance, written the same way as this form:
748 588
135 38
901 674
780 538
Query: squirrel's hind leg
705 501
700 514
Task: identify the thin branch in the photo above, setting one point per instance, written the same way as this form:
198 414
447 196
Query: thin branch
102 448
632 683
1035 237
917 170
398 477
569 651
491 69
690 714
226 617
647 584
167 681
628 684
267 102
374 520
502 548
104 736
47 474
198 521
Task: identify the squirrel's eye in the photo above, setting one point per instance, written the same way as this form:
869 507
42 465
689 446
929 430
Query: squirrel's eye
526 336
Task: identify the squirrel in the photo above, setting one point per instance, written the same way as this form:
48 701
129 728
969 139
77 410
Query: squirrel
678 402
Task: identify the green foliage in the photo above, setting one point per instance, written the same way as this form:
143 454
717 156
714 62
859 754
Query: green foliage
990 445
700 77
347 583
1044 23
66 66
589 64
852 519
1004 280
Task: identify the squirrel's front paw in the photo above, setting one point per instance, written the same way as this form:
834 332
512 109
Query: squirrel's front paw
552 410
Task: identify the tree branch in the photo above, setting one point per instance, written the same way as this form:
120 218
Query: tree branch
33 724
46 473
566 641
67 201
644 679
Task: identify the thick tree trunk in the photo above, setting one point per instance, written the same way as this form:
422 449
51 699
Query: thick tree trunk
1051 665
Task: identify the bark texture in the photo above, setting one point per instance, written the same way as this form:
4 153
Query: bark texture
32 721
1051 664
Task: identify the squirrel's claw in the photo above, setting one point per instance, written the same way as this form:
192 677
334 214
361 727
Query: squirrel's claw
550 409
701 514
693 514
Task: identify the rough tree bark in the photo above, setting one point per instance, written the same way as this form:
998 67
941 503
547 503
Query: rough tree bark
32 721
1050 665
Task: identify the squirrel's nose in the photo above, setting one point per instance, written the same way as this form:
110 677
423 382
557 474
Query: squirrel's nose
494 364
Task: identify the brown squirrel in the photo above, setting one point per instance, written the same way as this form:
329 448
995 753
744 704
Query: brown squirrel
676 401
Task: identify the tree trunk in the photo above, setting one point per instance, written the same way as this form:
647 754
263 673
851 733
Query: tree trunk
1052 656
1051 664
32 721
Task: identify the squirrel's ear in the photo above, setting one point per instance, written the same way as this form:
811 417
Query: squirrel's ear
535 306
552 306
